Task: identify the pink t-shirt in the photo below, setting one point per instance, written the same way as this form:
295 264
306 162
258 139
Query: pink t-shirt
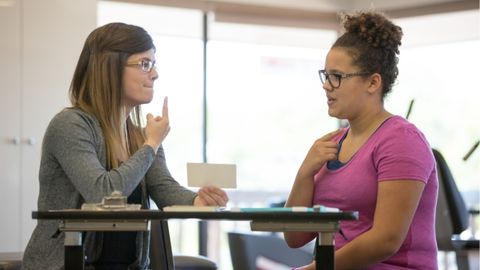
397 150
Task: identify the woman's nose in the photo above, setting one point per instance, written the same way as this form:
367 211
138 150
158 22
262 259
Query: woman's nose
327 87
153 74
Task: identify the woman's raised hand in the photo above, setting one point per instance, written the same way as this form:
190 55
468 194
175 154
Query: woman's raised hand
157 127
322 150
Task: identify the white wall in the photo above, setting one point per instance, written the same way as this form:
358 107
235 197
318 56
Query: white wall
10 51
39 45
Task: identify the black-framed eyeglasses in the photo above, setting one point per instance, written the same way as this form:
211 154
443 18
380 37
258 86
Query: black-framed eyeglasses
335 79
146 65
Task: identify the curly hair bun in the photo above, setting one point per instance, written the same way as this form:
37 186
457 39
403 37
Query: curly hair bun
375 29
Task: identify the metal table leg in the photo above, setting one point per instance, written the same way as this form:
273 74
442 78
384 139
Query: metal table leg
74 253
325 251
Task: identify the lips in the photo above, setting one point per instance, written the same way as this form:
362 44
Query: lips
330 100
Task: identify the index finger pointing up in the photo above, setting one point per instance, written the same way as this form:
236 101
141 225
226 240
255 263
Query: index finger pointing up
165 108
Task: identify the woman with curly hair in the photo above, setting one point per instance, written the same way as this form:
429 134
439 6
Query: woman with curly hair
380 165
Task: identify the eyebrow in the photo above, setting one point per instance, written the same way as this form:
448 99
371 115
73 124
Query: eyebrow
145 58
334 71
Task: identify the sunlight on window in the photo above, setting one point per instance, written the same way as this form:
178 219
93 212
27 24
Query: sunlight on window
439 70
266 107
176 34
266 104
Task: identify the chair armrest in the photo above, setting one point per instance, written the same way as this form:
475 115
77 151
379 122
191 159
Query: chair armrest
183 262
460 243
474 211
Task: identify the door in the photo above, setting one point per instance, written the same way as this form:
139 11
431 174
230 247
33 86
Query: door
10 141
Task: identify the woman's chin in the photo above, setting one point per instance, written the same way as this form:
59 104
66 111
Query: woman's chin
332 113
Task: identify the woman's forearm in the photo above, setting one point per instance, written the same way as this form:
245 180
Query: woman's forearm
300 195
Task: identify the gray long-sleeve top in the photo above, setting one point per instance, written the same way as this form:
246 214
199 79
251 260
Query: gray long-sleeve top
72 172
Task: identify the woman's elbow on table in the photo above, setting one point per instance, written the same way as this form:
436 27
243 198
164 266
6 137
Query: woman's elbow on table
297 239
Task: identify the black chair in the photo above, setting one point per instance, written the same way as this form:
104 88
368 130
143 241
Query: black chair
245 248
161 257
452 216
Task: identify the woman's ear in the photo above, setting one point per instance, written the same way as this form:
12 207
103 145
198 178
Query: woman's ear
375 84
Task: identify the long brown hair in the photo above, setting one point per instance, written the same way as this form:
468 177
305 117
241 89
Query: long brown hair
96 86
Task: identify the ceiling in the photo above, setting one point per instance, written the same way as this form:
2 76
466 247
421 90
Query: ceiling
331 6
310 13
348 5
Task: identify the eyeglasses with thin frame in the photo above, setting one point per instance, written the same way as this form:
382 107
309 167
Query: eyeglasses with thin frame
146 65
335 79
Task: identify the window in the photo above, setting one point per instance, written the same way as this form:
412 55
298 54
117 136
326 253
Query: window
266 106
435 50
439 70
177 37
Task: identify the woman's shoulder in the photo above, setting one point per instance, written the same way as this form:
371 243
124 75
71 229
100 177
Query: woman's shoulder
401 126
70 116
72 113
71 126
398 130
71 120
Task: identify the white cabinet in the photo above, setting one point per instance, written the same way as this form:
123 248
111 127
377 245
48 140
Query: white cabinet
40 42
10 103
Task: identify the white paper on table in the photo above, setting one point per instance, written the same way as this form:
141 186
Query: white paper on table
210 174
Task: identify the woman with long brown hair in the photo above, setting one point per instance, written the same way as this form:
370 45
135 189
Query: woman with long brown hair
99 145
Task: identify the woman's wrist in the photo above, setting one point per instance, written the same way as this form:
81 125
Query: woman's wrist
304 175
197 201
152 145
